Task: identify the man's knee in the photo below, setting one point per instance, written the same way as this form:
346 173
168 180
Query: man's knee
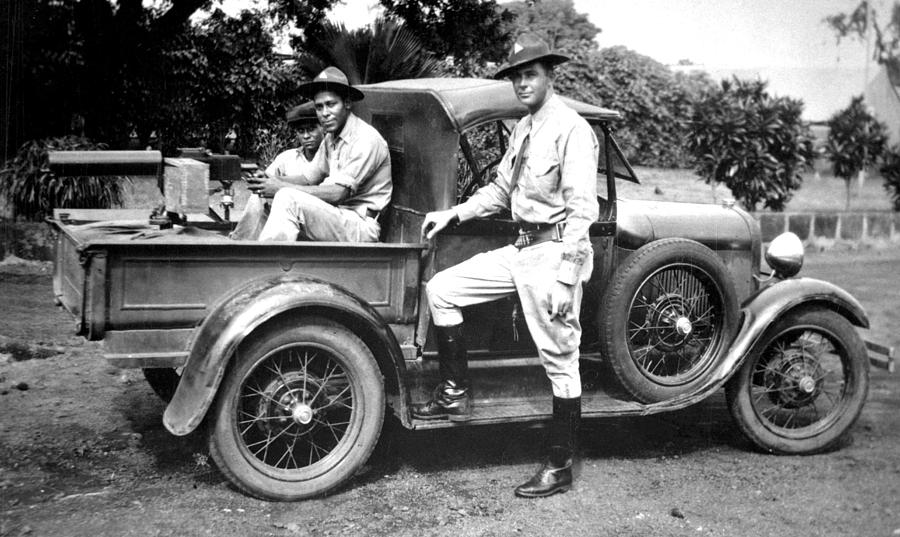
436 288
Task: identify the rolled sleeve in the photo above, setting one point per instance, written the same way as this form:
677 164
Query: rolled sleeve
364 159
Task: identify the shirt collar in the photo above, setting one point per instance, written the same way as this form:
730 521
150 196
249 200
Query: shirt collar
349 130
544 113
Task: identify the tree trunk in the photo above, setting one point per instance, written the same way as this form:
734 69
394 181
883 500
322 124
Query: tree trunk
847 184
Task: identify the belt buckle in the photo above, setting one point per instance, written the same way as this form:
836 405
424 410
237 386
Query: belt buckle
523 240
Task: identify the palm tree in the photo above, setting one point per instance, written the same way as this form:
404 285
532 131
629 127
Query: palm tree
383 51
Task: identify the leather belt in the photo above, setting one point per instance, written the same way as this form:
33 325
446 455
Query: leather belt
531 234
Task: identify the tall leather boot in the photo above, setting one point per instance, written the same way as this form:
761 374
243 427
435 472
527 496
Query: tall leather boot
451 398
556 473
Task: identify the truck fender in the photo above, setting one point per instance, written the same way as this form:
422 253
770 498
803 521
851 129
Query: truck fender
758 312
237 315
771 302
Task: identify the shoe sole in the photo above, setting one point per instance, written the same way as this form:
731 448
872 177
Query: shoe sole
566 488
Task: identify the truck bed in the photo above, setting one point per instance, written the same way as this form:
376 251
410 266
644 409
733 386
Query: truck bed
125 276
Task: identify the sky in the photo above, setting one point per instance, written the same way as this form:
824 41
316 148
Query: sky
782 41
715 33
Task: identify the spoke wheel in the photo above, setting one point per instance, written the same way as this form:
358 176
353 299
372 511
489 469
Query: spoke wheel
804 386
300 411
667 318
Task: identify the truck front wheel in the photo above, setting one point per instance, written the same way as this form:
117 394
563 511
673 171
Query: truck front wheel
803 386
299 411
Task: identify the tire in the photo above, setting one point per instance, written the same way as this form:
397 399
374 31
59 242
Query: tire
299 411
804 384
163 380
667 316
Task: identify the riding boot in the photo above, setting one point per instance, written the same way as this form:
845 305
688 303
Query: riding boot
452 398
555 475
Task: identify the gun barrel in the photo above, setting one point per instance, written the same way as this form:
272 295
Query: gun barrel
103 163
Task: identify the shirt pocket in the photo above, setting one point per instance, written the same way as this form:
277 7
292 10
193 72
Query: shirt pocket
544 173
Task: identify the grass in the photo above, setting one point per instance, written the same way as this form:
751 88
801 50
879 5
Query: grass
821 191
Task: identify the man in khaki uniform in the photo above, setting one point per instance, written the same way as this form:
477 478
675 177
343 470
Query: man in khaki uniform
547 178
342 191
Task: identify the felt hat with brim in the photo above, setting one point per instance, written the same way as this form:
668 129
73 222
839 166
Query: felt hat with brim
302 114
331 79
529 48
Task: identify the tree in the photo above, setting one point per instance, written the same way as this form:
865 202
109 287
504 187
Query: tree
110 67
472 32
753 142
890 170
557 22
863 18
655 102
855 140
385 50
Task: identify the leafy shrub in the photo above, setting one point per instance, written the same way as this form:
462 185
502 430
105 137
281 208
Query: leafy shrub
855 140
754 143
33 192
890 171
656 102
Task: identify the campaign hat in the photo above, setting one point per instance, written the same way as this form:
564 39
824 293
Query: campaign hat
302 114
331 79
529 48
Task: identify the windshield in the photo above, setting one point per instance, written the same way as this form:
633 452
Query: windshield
482 147
615 161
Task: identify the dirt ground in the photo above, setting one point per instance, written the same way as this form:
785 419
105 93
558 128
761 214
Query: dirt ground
83 452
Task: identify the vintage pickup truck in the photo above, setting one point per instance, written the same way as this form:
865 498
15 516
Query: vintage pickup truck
294 352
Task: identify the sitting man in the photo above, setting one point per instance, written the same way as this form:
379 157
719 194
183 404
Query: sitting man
339 195
287 167
291 163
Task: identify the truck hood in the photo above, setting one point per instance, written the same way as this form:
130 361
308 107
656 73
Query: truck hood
719 227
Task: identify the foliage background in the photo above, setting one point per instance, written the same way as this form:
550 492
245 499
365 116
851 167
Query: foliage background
131 75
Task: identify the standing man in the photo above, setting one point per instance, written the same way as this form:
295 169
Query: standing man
547 178
286 168
340 194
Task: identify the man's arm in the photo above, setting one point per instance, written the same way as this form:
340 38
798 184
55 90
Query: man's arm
489 199
330 193
273 180
579 189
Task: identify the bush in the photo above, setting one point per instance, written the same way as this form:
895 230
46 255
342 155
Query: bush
33 192
855 140
656 102
890 171
754 143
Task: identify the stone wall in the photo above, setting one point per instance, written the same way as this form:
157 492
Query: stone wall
825 229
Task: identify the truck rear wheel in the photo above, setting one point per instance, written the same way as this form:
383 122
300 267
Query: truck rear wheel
299 411
804 384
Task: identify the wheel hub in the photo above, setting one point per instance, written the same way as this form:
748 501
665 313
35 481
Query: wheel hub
302 413
669 314
683 326
791 379
289 397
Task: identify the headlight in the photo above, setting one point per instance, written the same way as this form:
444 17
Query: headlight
785 255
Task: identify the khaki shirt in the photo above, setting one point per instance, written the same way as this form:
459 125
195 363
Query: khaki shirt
358 159
290 162
557 183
